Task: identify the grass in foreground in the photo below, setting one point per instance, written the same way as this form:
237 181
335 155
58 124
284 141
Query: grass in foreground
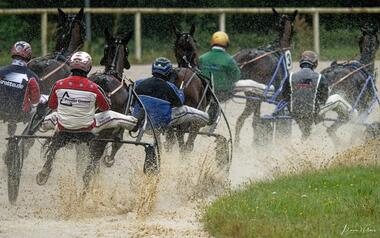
331 203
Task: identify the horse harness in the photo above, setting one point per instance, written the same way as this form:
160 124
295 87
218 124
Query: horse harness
357 69
59 57
262 56
123 81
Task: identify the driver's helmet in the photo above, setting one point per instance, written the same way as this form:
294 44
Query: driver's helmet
162 66
309 57
81 60
220 38
22 49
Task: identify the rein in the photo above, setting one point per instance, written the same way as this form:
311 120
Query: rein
60 66
187 83
349 74
262 56
123 82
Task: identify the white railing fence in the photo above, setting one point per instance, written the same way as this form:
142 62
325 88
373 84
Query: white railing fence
220 11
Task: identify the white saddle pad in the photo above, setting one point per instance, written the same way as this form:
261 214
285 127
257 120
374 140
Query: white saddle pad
248 85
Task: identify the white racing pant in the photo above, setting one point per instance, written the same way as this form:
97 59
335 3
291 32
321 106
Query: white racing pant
186 114
248 85
337 104
103 120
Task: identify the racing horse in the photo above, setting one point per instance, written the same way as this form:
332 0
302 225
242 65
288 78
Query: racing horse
260 66
354 81
187 77
115 60
70 37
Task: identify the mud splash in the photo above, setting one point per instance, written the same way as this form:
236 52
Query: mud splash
124 203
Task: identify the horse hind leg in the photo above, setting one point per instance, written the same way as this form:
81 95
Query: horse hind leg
180 133
332 133
169 140
43 175
191 139
248 110
96 152
305 127
109 160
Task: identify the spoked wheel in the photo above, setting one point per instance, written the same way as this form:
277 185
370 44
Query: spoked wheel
152 161
14 165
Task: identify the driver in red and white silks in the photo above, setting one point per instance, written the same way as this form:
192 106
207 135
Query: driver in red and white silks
76 99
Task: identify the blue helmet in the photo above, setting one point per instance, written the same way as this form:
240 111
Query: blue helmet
162 66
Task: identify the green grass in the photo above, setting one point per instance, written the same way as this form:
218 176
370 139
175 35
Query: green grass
312 204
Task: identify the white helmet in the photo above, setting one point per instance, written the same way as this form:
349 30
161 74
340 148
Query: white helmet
81 60
22 49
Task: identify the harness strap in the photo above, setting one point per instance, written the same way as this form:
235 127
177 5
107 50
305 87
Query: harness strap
123 81
60 66
262 56
349 74
187 83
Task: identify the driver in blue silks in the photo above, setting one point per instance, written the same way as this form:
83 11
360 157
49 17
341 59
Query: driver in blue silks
163 100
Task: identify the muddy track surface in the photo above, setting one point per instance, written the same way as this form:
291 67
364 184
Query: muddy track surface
125 203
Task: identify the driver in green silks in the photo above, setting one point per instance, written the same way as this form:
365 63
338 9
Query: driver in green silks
223 68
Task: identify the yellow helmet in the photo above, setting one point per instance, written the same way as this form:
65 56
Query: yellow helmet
220 38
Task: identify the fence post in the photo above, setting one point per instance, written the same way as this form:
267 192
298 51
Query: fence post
316 32
44 20
138 36
222 22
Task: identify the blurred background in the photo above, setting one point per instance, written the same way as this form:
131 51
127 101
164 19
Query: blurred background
338 32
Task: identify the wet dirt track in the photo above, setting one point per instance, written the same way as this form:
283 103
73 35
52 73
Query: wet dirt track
124 203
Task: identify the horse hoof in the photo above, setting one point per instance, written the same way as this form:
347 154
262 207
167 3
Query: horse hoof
108 160
42 177
187 149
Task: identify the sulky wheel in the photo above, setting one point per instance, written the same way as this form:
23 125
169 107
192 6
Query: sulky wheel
14 164
152 161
